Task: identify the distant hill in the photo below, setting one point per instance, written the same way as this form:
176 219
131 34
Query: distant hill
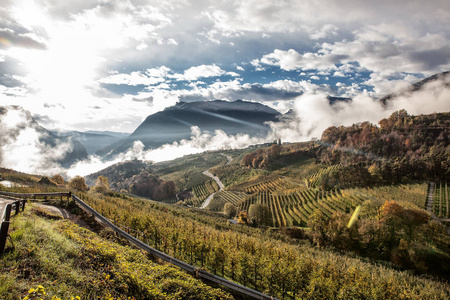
174 123
94 140
444 76
24 123
119 173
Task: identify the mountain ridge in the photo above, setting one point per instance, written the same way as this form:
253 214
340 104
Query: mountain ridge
175 123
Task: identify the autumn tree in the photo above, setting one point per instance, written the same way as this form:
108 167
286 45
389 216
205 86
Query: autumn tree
242 217
78 183
229 210
58 179
259 214
102 185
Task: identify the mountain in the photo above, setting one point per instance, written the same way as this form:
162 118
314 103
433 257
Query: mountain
444 77
174 123
17 123
94 140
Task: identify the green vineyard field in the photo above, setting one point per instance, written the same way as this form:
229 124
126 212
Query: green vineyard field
221 198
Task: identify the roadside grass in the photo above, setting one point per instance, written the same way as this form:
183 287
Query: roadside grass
70 261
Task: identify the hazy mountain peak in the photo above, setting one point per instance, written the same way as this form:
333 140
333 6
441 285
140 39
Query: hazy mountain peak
222 105
444 77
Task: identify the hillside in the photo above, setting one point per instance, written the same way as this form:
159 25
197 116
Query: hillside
59 258
273 251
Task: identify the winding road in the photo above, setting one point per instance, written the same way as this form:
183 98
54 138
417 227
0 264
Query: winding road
228 157
217 180
219 183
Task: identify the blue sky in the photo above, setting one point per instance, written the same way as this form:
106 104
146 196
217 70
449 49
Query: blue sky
106 65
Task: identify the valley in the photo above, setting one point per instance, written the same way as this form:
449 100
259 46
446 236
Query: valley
277 218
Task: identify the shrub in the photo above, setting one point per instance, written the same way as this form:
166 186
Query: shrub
78 183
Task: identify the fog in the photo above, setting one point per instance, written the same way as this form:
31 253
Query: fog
22 145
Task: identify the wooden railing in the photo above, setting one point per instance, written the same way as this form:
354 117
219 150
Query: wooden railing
14 206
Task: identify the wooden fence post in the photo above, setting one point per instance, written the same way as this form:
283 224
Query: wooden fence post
3 235
17 206
4 228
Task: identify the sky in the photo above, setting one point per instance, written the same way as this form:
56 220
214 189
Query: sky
106 65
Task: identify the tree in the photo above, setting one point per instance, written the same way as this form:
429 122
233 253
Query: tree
102 185
259 214
317 223
229 210
242 217
58 179
78 183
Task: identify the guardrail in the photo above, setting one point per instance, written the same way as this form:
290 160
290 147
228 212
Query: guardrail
36 195
5 220
191 269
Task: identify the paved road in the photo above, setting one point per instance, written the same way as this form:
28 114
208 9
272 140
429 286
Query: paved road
3 203
229 159
219 183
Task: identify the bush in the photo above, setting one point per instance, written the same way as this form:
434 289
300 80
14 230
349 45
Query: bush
78 183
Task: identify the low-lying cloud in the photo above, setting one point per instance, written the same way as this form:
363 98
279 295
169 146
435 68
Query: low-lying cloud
23 146
313 113
199 142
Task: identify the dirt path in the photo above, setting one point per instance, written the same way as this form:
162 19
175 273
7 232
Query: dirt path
430 197
64 213
219 183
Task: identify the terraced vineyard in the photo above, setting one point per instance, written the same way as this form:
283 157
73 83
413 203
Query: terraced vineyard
441 200
201 192
273 183
315 179
223 197
295 208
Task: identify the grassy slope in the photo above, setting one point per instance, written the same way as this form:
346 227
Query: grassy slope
68 260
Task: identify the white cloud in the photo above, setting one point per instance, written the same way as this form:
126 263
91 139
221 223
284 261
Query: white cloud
292 60
142 46
256 63
135 78
201 71
327 30
22 145
313 112
233 74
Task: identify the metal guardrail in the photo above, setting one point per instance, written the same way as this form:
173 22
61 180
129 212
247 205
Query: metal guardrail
189 268
14 206
36 195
